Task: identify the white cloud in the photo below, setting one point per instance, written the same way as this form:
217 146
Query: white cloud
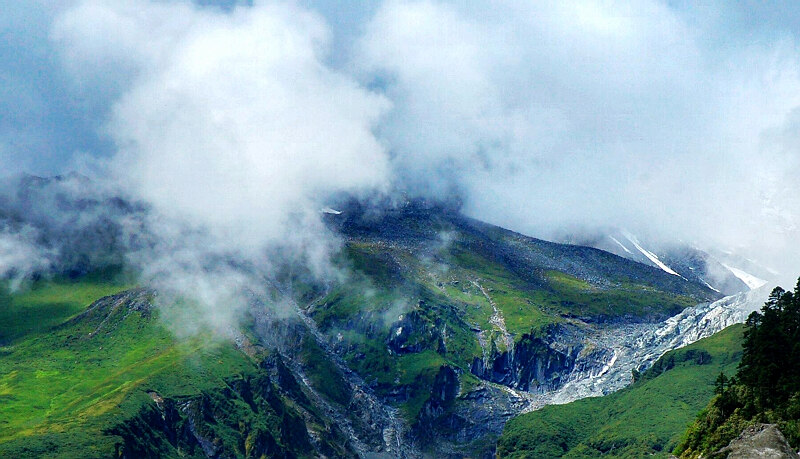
558 114
231 120
232 127
20 255
236 125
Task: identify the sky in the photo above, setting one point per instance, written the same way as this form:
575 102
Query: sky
674 119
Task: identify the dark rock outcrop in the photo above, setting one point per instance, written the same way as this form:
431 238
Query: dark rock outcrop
532 365
249 417
435 417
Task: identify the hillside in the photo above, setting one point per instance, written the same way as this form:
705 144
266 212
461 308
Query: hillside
112 381
432 289
440 330
647 418
398 229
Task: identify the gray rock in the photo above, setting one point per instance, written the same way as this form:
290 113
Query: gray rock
758 441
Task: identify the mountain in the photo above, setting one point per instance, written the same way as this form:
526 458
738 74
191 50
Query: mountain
721 271
646 418
435 331
69 224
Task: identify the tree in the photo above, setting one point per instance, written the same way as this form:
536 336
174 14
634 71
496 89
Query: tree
719 384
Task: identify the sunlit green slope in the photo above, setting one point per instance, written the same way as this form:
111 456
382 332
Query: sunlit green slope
111 380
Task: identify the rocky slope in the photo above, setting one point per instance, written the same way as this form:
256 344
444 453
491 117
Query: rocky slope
618 352
494 322
123 386
722 271
584 362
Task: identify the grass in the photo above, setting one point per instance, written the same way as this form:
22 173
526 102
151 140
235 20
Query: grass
63 383
574 296
45 304
323 374
647 418
418 371
70 383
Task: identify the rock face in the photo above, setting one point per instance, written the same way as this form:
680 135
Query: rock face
758 441
532 364
611 354
563 363
443 394
566 363
412 333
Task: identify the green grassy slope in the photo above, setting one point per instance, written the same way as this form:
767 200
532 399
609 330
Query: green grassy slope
88 386
644 419
83 377
44 304
766 386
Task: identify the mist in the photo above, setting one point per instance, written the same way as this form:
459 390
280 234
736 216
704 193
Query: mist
229 125
578 116
230 128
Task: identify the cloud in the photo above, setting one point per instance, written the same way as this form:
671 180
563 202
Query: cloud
234 125
553 115
67 225
230 120
20 255
233 129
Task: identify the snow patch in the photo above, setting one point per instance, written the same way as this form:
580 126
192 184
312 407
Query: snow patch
652 257
750 280
708 285
608 366
620 244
